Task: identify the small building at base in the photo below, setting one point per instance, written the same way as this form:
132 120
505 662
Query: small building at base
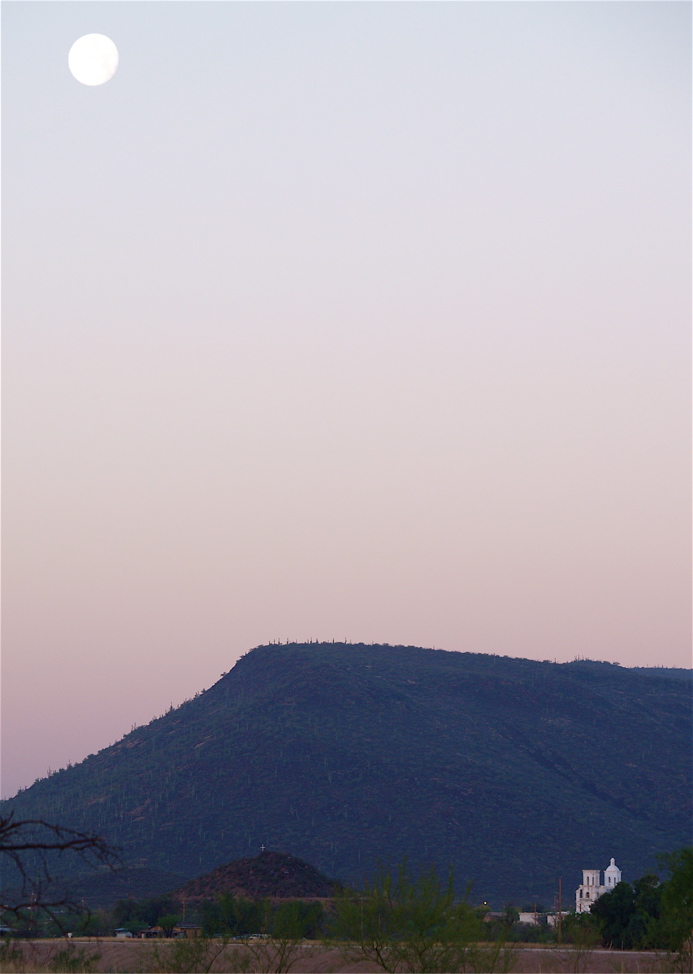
592 888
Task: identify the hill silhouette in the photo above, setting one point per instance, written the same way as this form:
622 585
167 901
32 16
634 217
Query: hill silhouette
270 874
515 772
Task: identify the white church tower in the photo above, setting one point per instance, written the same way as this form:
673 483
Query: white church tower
612 875
592 887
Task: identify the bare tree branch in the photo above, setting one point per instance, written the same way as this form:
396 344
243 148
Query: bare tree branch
33 845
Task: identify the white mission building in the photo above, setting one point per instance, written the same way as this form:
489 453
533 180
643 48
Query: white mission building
591 888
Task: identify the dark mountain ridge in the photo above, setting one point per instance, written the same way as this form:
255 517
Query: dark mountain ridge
514 771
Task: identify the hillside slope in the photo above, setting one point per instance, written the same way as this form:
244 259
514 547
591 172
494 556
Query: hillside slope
516 772
269 874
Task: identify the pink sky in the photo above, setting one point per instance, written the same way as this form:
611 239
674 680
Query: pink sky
352 321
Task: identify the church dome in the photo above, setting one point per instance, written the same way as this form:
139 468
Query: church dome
612 874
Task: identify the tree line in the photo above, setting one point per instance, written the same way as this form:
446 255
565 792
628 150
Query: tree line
399 920
650 914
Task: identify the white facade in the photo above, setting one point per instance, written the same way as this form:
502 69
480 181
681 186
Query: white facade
592 888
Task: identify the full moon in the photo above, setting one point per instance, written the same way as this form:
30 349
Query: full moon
93 59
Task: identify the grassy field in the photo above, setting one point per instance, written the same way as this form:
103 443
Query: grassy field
131 956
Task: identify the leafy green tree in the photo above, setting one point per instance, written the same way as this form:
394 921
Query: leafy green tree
581 931
648 892
297 919
93 925
167 922
275 941
650 914
146 912
232 916
676 906
643 927
629 916
511 916
403 922
581 934
615 910
249 916
213 920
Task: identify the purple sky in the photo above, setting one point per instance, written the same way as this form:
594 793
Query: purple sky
362 321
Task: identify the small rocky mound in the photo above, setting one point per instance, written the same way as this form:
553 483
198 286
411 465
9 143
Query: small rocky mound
271 874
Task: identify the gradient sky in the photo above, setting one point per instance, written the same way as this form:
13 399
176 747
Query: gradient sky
362 321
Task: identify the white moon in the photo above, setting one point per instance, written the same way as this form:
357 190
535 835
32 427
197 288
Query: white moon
93 59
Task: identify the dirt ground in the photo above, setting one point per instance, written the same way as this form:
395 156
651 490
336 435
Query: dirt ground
139 957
